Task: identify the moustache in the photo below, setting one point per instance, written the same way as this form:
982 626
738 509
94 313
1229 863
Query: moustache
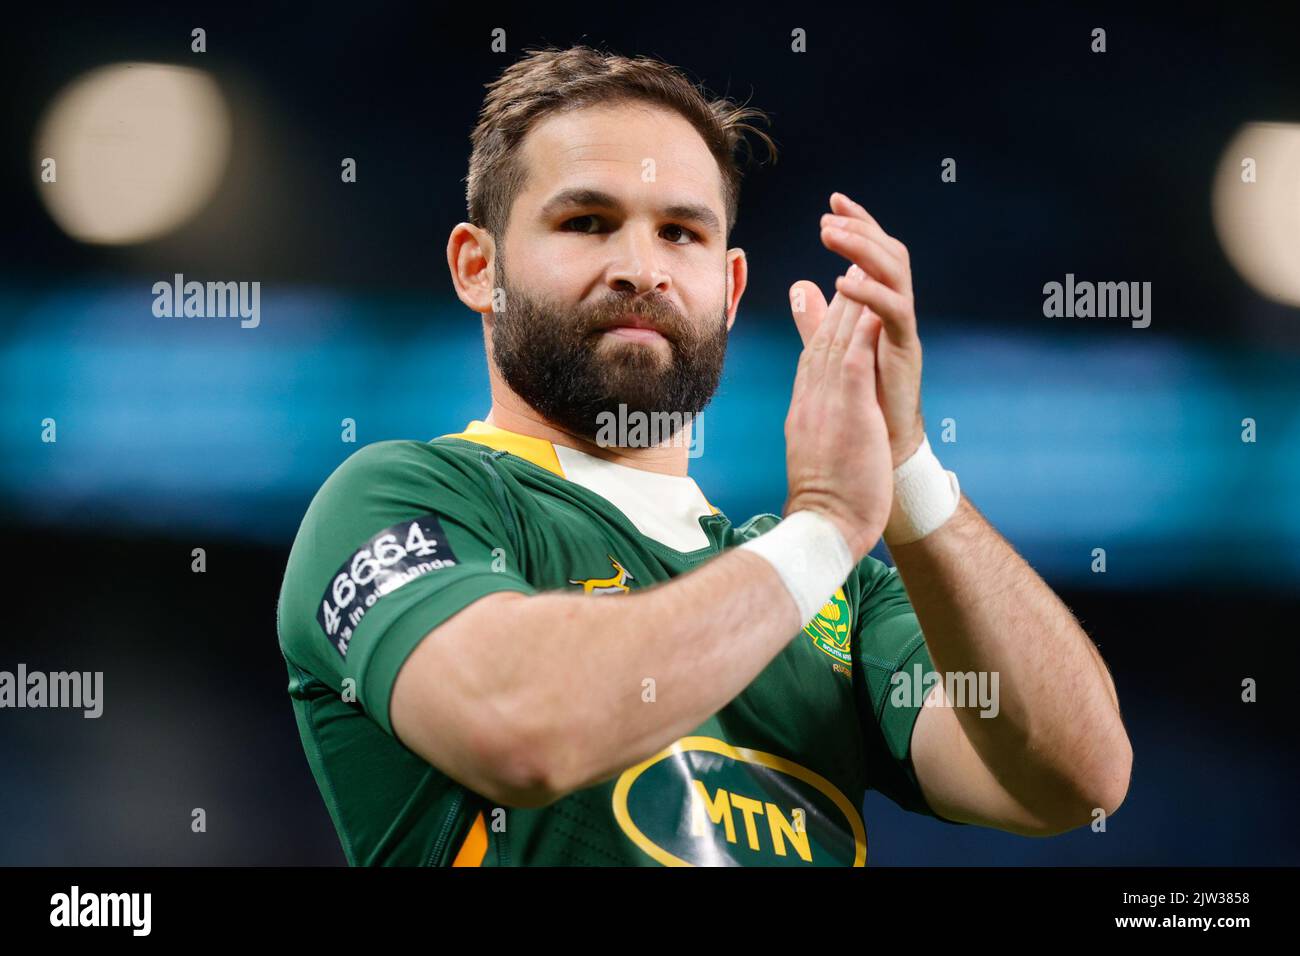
662 320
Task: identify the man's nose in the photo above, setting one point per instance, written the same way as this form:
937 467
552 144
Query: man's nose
637 267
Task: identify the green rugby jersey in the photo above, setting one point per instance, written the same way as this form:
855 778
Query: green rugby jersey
404 534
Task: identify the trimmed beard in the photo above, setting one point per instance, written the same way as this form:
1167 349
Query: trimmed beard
560 361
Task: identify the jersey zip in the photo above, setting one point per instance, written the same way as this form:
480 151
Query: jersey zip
446 828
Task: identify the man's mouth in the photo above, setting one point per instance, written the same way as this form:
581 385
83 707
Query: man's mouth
633 326
635 334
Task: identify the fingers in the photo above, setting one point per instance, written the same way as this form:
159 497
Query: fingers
846 322
879 253
843 206
875 291
839 304
893 308
815 309
870 255
812 361
859 362
808 306
841 356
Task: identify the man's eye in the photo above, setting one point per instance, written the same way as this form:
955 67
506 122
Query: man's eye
587 218
590 220
684 231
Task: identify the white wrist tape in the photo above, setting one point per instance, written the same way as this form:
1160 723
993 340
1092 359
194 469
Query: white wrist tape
810 554
925 496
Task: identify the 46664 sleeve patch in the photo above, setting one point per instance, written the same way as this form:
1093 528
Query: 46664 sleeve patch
391 558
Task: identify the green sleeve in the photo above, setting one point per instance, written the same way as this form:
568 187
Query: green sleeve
888 641
399 538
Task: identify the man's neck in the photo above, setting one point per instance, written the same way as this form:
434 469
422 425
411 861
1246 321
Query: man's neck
515 415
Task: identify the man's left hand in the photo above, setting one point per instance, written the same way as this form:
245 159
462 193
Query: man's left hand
880 285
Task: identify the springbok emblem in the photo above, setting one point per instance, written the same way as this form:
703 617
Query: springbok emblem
610 585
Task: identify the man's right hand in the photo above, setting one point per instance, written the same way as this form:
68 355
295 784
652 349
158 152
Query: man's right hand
838 460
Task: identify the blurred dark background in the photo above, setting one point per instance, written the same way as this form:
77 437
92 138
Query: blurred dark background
1071 433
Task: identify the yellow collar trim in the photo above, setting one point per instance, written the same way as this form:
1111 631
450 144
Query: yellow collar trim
537 450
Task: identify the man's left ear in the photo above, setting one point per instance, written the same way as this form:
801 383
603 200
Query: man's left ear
736 266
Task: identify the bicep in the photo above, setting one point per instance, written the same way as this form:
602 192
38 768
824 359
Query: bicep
446 708
947 772
955 781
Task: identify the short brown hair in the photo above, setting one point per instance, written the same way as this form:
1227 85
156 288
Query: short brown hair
552 80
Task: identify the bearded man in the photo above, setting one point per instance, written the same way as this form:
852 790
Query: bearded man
524 644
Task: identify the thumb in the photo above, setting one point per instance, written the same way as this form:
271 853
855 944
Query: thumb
808 306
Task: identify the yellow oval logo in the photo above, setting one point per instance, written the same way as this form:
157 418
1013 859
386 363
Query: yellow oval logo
703 802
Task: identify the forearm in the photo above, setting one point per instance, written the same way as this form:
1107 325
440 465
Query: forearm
609 681
1057 736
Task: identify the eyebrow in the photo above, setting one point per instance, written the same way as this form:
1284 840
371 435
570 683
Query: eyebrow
579 196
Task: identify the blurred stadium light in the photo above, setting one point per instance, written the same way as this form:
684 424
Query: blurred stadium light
135 150
1257 207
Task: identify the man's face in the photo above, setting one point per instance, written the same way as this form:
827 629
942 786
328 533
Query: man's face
620 223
